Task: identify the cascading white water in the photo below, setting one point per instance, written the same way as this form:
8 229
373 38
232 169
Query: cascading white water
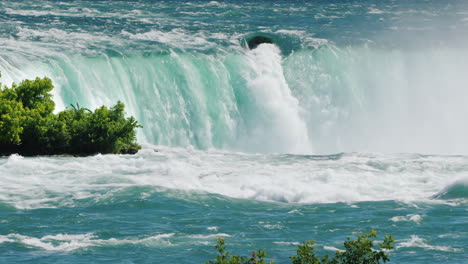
325 100
376 100
278 125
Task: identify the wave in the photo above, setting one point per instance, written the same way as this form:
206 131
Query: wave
416 218
145 179
69 242
74 242
416 242
457 190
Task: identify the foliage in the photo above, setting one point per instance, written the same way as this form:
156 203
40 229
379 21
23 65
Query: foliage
29 127
33 95
224 258
306 255
359 251
11 119
104 130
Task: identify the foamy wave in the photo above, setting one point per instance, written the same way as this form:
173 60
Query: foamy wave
175 38
408 218
273 226
70 12
40 182
58 35
456 190
373 10
450 235
418 242
209 236
308 39
331 248
67 242
4 239
286 243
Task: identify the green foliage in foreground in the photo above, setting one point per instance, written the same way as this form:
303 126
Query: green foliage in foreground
28 125
359 251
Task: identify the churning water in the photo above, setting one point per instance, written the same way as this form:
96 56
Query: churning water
352 118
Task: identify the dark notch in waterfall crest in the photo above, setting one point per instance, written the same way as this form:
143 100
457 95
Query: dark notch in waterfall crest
287 43
257 40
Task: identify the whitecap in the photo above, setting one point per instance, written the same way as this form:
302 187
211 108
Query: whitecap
286 243
415 241
408 218
69 242
218 235
212 228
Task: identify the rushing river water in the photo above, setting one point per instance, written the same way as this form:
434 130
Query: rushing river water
352 119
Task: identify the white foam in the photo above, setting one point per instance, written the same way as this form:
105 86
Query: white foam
268 226
307 38
282 129
215 3
286 243
408 218
59 242
291 32
4 239
198 236
40 182
70 12
74 39
449 235
175 38
373 10
418 242
331 248
67 242
295 211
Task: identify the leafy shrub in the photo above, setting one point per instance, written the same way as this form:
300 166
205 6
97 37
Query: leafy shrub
11 120
29 127
224 258
359 251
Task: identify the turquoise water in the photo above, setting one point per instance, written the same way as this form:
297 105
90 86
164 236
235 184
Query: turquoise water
354 119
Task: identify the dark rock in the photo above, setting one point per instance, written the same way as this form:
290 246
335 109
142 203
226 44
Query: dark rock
257 40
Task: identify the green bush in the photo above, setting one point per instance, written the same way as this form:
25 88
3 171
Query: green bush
359 251
225 258
11 120
29 127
